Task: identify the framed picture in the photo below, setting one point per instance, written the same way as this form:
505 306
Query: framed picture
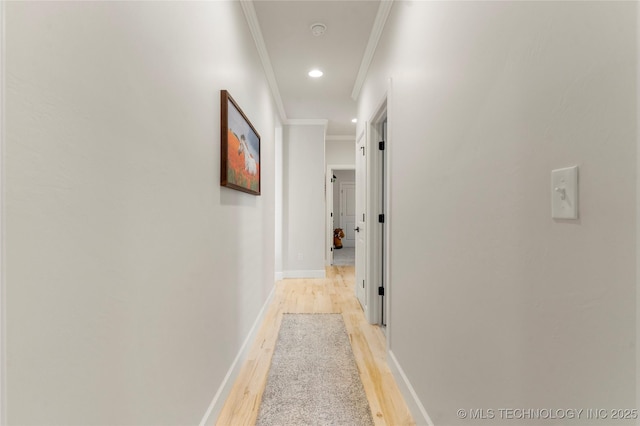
240 148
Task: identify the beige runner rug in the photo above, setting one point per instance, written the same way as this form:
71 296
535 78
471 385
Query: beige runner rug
313 379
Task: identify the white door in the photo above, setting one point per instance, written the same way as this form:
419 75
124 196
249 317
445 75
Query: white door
360 234
329 216
348 213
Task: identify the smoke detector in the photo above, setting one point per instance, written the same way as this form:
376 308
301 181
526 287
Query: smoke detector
318 29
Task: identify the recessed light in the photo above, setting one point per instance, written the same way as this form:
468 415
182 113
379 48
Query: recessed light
355 120
315 73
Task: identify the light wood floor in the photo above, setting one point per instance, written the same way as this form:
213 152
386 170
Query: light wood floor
333 294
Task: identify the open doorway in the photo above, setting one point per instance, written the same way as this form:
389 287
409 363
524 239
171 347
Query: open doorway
344 212
340 214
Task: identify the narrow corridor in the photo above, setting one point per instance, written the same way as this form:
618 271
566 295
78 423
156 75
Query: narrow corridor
333 294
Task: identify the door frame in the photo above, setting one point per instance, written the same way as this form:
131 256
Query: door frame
328 258
3 322
375 238
362 245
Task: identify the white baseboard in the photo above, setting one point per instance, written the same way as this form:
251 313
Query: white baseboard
305 274
227 383
279 276
418 412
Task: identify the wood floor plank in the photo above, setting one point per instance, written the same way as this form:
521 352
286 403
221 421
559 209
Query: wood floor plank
334 294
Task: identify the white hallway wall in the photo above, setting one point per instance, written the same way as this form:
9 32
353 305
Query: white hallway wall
303 199
340 152
494 304
132 277
279 188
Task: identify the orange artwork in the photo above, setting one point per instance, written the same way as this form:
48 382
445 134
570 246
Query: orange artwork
240 148
240 167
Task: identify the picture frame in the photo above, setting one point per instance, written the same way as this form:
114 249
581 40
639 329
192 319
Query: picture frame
239 148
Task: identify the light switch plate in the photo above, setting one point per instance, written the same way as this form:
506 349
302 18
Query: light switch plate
564 193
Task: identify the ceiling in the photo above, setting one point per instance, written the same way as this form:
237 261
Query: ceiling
293 51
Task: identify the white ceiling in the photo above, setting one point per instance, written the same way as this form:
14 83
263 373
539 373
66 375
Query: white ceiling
293 51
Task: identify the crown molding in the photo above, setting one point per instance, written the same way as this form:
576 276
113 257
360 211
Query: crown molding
307 122
254 26
376 32
341 138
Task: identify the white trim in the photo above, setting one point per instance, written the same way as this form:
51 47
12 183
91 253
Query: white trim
279 276
307 122
389 213
3 310
340 167
319 273
361 208
637 401
419 413
254 26
227 383
376 32
341 138
373 235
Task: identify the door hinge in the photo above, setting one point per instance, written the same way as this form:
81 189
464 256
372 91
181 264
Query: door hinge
381 145
331 248
362 283
380 291
363 217
331 214
381 218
